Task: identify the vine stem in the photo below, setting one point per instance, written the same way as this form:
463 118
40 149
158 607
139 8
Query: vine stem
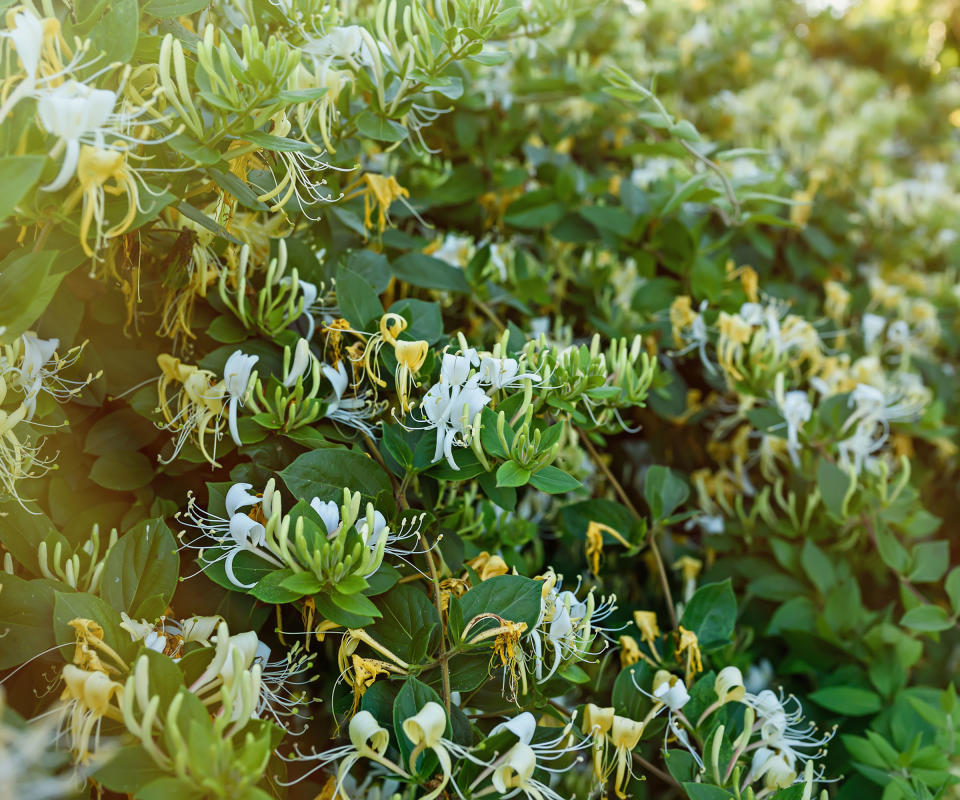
444 665
655 770
625 499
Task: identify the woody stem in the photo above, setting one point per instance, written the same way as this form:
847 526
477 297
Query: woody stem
444 665
625 499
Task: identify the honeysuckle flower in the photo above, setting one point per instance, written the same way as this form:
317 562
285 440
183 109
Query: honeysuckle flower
234 534
871 328
776 768
302 359
70 112
596 724
629 651
37 353
797 410
367 740
454 249
237 376
351 411
87 698
567 626
501 373
670 690
199 403
450 408
455 369
729 685
26 33
783 732
646 621
425 730
624 735
513 772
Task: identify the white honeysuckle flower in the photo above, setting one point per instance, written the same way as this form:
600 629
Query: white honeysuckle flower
235 534
351 411
451 408
871 327
239 496
783 730
237 373
368 739
37 353
329 512
455 250
523 726
513 772
343 42
776 768
425 730
672 692
501 373
26 34
796 409
372 537
302 359
455 369
729 685
752 313
70 112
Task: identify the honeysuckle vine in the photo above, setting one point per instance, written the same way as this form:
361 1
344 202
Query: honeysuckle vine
478 398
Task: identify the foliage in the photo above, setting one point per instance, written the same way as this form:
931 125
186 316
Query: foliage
431 399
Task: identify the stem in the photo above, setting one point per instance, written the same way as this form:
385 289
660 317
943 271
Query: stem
444 665
666 777
625 499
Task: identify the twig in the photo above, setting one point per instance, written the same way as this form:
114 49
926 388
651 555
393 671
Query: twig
444 665
664 776
625 499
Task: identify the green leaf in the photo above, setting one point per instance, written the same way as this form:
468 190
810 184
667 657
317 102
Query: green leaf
122 471
355 604
552 480
818 566
231 184
26 616
129 769
703 791
174 8
374 126
927 618
122 430
419 269
848 700
664 490
115 35
407 615
930 561
270 588
411 698
952 586
140 571
536 217
301 583
18 174
833 484
324 473
26 288
711 614
227 329
357 298
165 788
512 474
511 597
